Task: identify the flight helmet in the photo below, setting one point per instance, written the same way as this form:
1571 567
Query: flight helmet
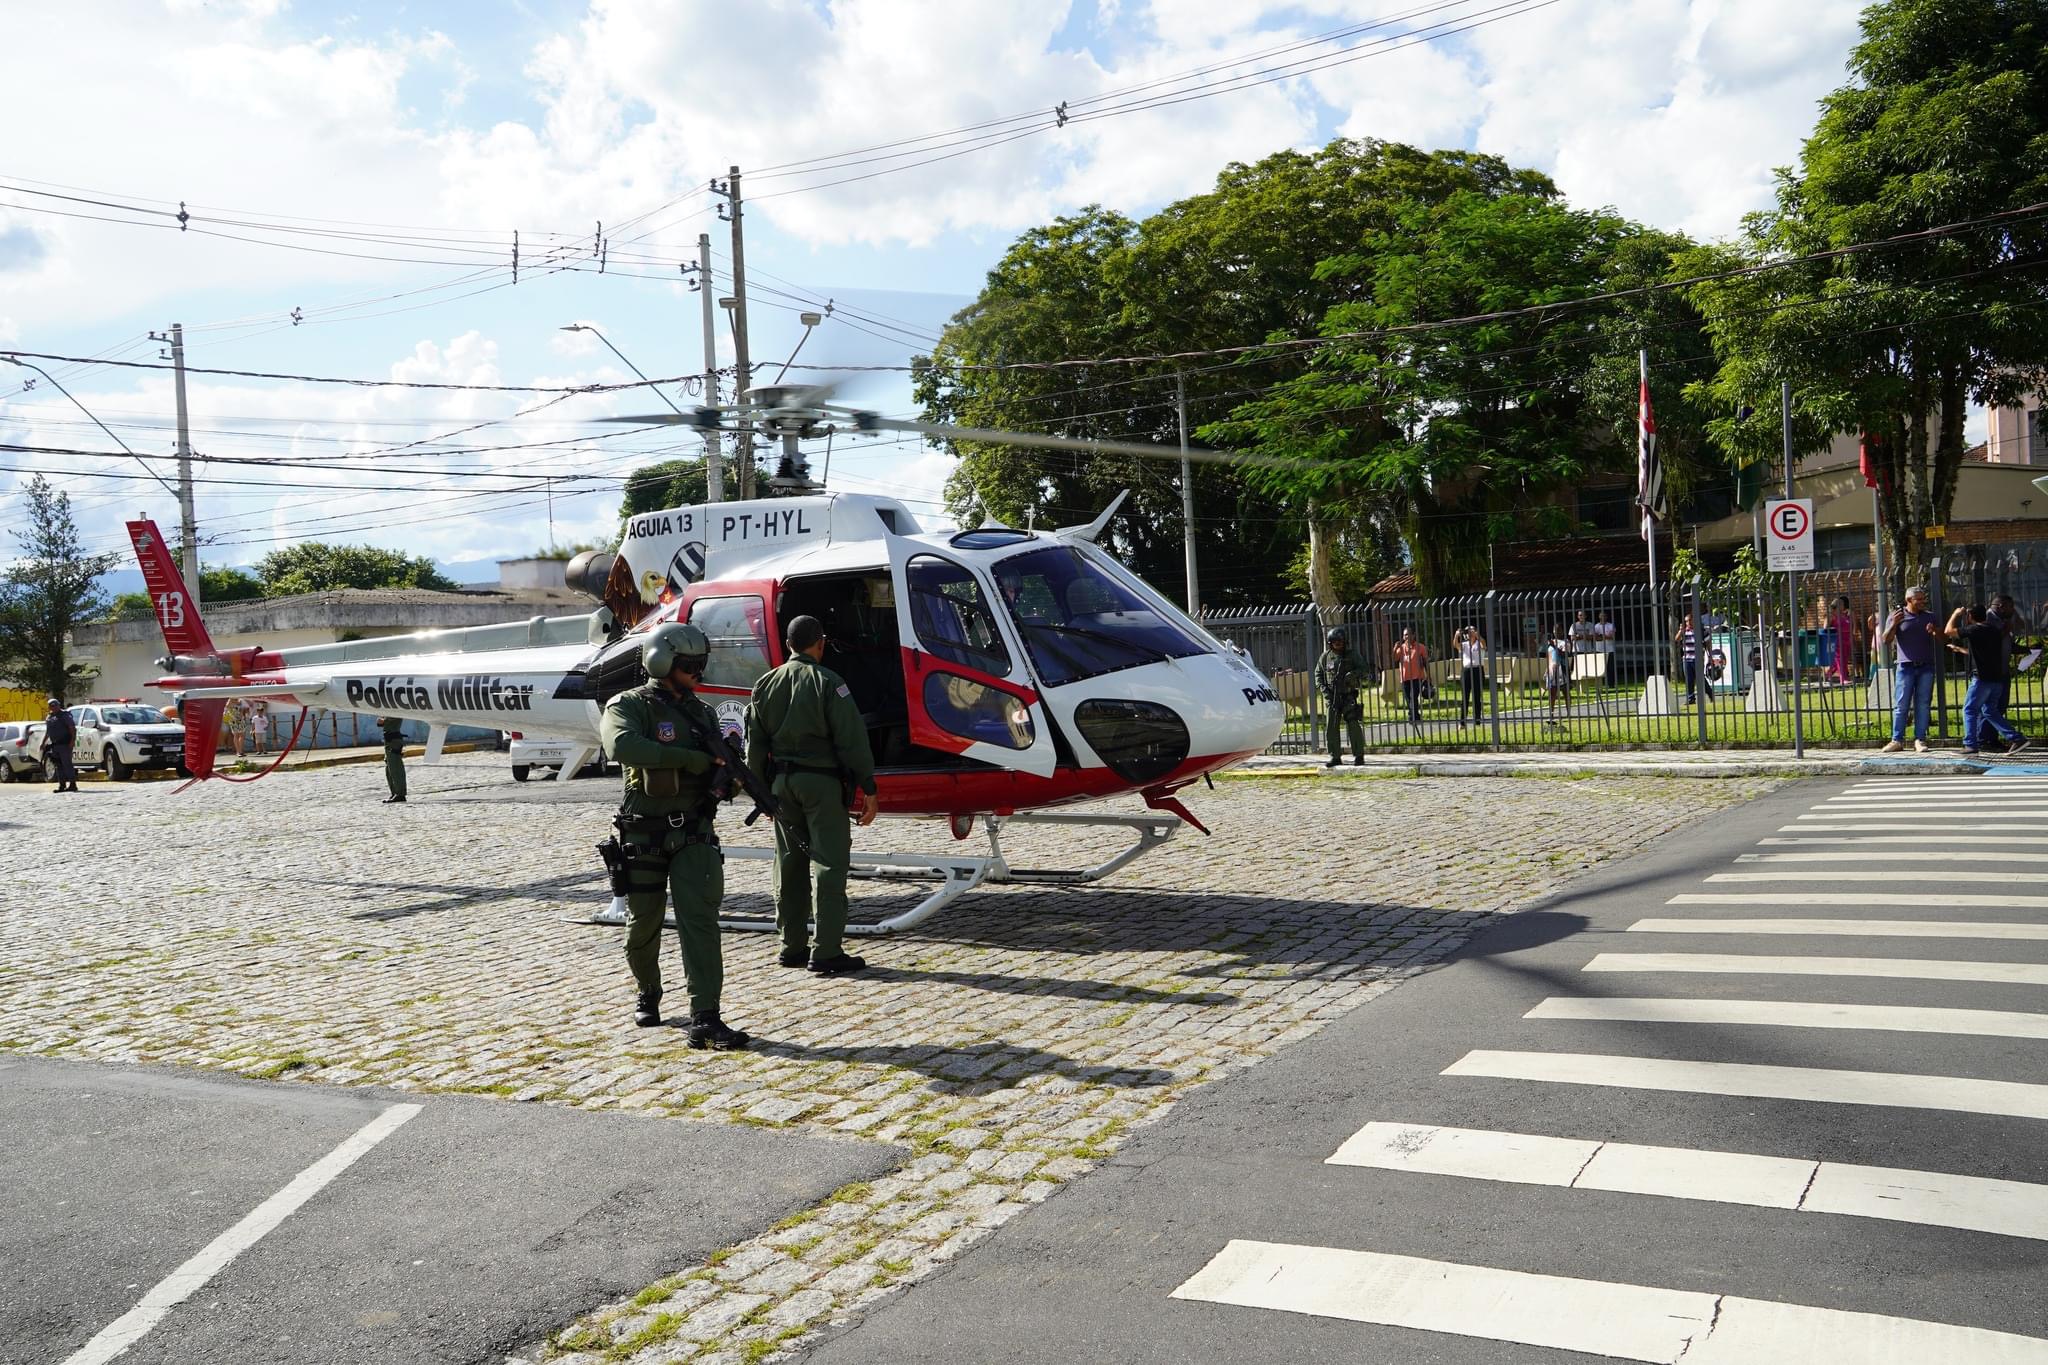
672 644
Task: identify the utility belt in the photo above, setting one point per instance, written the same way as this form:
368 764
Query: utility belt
641 829
783 768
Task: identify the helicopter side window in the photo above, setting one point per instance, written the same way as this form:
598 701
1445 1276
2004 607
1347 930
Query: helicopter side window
1078 622
737 629
952 618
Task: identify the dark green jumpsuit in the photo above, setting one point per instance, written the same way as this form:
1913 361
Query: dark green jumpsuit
394 754
669 837
803 732
1339 676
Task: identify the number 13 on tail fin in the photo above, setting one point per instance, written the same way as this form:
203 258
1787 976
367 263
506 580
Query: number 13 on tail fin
182 628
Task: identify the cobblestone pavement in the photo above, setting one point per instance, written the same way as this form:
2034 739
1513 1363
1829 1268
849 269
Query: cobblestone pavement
298 929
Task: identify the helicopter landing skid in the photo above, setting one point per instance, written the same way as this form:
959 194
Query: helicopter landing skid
955 875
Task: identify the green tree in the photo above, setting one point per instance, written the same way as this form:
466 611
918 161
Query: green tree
228 585
660 486
316 567
1461 433
1944 121
1237 265
52 587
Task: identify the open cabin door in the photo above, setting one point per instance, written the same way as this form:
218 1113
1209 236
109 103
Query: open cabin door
963 677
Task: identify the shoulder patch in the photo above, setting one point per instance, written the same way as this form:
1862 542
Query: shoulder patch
845 691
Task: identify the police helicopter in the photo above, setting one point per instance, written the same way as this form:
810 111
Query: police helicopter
1002 674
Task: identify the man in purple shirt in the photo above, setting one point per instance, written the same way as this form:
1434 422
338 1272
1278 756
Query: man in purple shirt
1916 631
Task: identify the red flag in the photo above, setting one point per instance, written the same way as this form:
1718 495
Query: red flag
1866 461
1649 471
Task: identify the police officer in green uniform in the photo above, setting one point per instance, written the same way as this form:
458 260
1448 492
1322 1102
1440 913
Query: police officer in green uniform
1339 676
665 829
805 735
394 757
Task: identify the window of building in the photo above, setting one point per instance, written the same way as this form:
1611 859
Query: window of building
1842 547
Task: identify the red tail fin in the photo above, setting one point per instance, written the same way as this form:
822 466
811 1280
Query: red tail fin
202 732
176 613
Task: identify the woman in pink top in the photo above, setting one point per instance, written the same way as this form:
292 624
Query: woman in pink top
1413 657
1843 624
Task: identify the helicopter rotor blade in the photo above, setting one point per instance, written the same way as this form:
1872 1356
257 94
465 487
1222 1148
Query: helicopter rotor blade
870 422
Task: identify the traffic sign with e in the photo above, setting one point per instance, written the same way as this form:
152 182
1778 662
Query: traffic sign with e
1790 521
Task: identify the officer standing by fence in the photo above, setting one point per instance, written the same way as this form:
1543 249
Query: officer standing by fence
1339 675
666 835
394 757
805 735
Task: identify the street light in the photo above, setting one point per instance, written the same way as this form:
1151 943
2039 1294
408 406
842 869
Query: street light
714 480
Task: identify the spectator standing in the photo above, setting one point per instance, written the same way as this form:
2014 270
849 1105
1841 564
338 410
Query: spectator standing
259 726
1413 657
1688 642
1583 635
1606 629
1843 625
1557 675
1914 630
1472 663
235 720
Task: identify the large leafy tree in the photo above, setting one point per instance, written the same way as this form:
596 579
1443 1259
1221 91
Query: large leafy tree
1945 122
660 486
317 567
1220 270
1464 383
52 586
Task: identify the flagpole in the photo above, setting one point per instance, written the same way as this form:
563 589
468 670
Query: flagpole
1649 511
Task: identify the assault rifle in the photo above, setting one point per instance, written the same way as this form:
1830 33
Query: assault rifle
733 772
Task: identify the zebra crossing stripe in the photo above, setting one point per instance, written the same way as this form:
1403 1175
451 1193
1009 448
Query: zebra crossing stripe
2010 1208
1892 853
1878 874
1976 833
1814 834
1860 928
1597 1317
1794 1014
1860 898
1960 1094
1898 968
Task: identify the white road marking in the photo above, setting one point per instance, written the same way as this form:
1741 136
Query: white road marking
1946 813
124 1331
1895 852
1975 832
1961 1094
1795 1014
1900 968
1957 901
1976 838
2003 796
1861 928
1878 874
2010 1208
1598 1317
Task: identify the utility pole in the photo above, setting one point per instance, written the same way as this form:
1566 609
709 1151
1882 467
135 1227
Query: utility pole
743 370
1187 494
188 530
714 474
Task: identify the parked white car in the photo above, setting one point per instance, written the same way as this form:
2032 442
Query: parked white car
21 751
122 737
557 754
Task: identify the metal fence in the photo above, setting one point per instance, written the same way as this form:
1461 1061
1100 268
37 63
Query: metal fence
1616 666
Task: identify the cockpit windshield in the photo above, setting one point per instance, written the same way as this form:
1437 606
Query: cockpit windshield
1078 622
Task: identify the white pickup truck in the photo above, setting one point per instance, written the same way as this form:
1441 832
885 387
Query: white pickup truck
124 736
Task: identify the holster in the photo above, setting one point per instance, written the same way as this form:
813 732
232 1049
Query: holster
614 855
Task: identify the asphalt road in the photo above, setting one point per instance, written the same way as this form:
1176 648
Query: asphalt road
1279 1255
476 1227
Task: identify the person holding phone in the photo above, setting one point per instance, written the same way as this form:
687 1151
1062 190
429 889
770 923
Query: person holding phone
1472 666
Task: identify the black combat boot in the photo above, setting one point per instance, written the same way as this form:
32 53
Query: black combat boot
647 1011
839 965
707 1030
794 957
1333 760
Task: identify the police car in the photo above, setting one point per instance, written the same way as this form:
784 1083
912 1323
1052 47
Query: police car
21 751
528 754
124 736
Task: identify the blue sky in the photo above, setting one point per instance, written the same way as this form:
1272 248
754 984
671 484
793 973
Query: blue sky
451 126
